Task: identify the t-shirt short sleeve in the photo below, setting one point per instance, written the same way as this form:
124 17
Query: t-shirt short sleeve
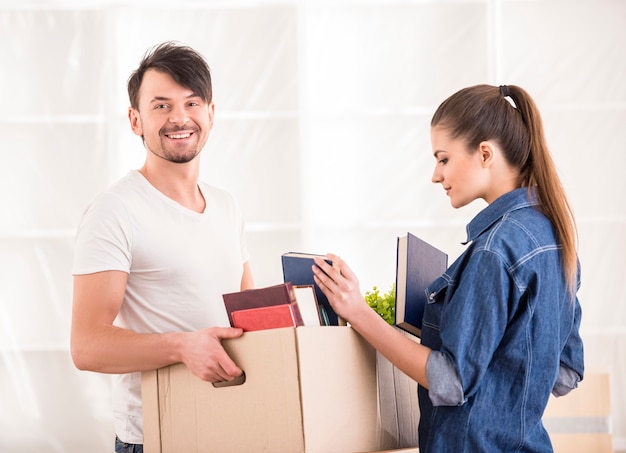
103 237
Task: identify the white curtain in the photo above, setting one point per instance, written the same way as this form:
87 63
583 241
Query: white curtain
322 134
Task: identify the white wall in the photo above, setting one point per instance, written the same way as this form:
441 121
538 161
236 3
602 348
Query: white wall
322 113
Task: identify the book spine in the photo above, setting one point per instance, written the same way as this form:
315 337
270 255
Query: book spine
294 305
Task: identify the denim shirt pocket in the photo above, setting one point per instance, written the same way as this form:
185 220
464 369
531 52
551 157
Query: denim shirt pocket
435 297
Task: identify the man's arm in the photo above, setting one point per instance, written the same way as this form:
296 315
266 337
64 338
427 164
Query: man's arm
98 345
247 282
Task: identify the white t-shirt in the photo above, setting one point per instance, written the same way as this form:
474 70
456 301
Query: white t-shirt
179 263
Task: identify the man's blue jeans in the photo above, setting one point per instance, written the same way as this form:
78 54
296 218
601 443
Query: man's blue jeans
123 447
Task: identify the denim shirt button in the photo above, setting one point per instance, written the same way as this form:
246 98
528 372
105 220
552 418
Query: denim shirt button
431 296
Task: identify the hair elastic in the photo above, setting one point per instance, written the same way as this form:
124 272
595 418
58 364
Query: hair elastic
504 91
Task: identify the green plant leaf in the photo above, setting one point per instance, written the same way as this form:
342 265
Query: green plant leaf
384 304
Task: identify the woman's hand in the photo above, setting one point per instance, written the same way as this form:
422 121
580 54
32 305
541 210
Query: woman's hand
341 287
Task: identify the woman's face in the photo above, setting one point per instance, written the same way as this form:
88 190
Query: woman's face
460 171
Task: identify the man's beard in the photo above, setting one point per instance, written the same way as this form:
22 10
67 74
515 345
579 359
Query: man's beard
182 158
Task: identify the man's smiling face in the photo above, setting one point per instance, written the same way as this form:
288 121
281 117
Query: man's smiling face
173 121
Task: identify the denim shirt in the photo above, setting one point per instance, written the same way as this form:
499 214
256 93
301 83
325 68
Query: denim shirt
504 334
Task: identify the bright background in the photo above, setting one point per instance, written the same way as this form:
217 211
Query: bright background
321 133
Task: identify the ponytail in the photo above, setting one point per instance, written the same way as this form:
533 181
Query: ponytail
542 175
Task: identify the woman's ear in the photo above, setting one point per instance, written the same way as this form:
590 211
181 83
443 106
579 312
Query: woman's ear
487 151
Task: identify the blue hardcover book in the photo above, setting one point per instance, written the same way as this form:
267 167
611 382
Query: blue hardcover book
418 264
297 270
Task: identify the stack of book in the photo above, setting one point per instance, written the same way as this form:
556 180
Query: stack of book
300 302
271 307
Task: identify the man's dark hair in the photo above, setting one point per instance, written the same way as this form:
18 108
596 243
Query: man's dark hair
186 66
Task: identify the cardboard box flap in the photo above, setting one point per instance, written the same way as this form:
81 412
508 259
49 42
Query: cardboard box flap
337 405
193 413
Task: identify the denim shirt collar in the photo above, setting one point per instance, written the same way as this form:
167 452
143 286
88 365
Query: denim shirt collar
510 201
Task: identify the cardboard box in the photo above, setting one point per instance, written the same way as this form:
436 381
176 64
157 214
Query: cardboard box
397 403
581 420
306 389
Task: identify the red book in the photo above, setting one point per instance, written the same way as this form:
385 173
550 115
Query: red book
281 294
263 318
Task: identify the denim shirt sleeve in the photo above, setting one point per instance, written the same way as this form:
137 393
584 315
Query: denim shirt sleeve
566 381
472 323
571 367
444 385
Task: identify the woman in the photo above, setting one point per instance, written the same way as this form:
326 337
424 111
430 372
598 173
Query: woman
500 331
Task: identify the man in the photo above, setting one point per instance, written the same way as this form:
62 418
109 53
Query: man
156 251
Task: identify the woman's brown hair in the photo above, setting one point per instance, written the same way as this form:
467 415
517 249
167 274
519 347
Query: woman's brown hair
509 116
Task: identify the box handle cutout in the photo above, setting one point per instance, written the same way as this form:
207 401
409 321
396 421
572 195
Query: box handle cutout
237 381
